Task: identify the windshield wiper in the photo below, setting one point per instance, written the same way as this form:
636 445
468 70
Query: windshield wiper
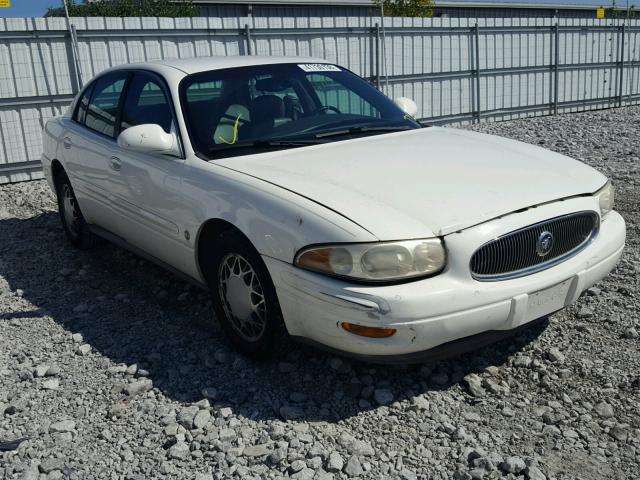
262 144
363 129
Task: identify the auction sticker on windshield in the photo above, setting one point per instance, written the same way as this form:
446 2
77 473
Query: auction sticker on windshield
318 67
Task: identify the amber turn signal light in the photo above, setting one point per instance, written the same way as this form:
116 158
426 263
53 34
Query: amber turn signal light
371 332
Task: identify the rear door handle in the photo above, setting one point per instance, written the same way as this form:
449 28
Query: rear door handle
66 141
115 164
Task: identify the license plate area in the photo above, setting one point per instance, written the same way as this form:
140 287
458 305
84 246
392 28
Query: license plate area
544 302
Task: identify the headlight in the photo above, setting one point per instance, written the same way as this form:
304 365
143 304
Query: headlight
376 262
606 198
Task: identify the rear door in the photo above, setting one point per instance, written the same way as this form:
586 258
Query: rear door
89 143
146 188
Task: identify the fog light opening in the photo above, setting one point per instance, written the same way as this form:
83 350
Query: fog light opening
371 332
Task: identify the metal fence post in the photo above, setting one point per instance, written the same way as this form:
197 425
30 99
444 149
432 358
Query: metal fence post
74 34
247 34
556 69
476 71
377 58
74 48
621 38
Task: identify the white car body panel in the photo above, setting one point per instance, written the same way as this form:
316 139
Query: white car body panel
86 163
465 187
436 310
278 222
414 193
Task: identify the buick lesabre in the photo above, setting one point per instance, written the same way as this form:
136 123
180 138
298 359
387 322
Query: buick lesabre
311 206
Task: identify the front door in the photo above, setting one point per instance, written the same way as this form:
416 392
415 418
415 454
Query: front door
146 188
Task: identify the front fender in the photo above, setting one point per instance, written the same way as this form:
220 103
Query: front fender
276 221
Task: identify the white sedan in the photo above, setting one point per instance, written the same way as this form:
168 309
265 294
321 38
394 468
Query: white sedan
311 206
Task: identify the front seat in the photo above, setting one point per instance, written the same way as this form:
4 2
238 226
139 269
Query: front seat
264 111
226 126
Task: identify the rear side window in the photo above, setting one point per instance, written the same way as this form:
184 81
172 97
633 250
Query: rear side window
104 106
83 104
146 102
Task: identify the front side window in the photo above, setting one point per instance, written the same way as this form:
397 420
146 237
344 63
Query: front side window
249 107
102 113
146 103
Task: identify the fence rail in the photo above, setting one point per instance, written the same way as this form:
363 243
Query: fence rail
457 71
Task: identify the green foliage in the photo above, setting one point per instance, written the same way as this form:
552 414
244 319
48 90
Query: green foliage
406 8
128 8
621 12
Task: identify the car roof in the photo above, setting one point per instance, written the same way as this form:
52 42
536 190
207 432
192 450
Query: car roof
202 64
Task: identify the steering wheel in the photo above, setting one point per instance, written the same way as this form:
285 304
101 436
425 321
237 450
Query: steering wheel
328 108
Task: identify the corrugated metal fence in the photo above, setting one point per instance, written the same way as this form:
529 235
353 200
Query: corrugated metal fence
455 70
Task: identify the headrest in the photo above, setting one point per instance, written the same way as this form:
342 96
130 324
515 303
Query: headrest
272 84
267 106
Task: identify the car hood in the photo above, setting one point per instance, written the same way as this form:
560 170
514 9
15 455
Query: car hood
425 182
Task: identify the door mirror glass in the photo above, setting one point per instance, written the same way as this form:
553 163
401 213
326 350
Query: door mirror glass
407 105
149 138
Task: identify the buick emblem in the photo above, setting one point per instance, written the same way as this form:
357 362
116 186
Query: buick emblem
544 244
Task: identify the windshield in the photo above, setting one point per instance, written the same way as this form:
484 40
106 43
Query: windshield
283 105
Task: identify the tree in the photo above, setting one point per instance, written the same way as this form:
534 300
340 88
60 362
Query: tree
621 12
128 8
406 8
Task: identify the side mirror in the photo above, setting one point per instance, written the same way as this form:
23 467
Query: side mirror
149 138
407 105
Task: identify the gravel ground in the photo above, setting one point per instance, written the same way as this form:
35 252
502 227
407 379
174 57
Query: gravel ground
110 368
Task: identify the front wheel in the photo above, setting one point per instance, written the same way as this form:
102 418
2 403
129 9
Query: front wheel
244 298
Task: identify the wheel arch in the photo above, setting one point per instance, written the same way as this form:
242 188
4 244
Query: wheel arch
56 168
208 235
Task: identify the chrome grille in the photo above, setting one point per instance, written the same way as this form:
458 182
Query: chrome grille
517 253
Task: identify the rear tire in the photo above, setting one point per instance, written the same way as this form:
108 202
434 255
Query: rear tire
75 228
244 298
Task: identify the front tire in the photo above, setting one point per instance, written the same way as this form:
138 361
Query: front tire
75 228
244 298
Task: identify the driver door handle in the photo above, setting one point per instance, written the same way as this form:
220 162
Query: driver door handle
115 164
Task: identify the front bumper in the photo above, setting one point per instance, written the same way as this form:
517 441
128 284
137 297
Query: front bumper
448 307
